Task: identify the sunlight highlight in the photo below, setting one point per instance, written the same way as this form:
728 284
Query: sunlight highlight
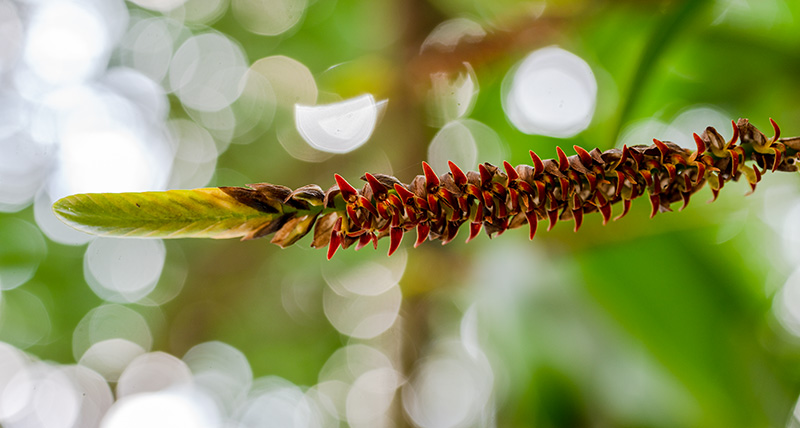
552 92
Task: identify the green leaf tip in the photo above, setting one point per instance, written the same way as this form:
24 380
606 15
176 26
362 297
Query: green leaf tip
199 213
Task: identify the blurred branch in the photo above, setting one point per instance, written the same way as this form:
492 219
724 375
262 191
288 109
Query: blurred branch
522 36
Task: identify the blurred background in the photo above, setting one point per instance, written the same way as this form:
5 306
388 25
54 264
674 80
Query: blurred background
686 320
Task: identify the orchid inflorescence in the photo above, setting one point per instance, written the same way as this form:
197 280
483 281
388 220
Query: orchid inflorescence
436 206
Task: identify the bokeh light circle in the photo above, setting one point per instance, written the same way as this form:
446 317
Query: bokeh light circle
454 142
297 147
371 396
448 34
195 154
275 402
369 278
339 127
206 71
105 143
696 119
110 322
204 12
255 108
448 388
41 395
13 363
123 270
67 42
148 46
24 318
14 115
341 371
11 32
291 81
466 142
147 95
22 162
221 124
95 396
552 92
268 17
643 131
787 304
163 409
110 357
452 95
152 372
221 370
362 316
22 250
159 5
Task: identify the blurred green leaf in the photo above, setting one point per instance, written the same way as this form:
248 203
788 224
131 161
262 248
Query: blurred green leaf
667 31
693 313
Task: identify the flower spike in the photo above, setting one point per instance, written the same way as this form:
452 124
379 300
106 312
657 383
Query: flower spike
493 199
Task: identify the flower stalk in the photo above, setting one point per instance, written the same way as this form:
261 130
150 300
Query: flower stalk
436 206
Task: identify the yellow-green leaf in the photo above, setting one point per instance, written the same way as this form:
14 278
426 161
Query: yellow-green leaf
198 213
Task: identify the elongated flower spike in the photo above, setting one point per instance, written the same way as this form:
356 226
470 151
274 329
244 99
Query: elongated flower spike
493 199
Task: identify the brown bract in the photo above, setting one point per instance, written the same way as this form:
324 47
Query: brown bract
496 199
